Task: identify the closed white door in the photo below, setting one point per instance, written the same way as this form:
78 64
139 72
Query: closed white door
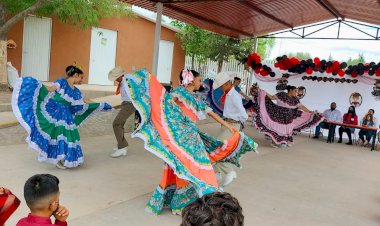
36 47
102 56
165 62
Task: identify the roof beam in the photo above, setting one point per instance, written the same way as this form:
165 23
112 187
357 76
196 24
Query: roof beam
188 1
329 7
187 13
262 12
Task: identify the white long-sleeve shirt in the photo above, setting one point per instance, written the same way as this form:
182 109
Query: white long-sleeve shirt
123 92
233 107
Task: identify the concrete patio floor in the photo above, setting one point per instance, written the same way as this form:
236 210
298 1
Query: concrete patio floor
311 183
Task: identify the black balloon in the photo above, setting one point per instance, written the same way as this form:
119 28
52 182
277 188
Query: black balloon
343 65
272 74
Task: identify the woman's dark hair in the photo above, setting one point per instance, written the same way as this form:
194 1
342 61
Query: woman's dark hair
371 118
353 110
72 70
288 88
195 74
39 187
237 79
217 209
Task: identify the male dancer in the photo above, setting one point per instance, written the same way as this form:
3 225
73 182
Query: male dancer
127 109
234 113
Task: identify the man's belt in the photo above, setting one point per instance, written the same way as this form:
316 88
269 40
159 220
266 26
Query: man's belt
231 120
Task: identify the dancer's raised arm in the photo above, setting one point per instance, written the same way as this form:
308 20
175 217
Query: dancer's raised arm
272 97
305 109
221 121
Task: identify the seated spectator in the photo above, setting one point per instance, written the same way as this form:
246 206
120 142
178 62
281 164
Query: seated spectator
378 142
371 112
349 118
41 194
217 209
332 115
8 204
367 134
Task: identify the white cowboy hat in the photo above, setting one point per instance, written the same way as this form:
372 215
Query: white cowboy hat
115 73
222 78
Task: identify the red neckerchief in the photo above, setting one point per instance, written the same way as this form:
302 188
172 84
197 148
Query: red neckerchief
7 208
118 87
223 98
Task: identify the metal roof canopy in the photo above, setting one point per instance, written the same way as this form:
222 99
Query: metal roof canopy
253 18
249 18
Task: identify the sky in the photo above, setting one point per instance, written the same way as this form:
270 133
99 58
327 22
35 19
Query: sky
340 50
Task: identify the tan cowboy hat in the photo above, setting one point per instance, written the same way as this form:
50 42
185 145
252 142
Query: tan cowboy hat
11 44
222 78
115 73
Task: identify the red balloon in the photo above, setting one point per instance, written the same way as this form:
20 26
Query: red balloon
354 74
317 60
336 64
257 70
341 73
263 73
256 58
294 61
328 70
276 64
309 71
377 72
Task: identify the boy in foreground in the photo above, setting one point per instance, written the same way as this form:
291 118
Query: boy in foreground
41 193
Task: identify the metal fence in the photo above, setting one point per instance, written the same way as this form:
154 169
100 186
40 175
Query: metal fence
209 69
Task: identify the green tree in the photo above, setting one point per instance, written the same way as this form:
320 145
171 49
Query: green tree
300 55
201 44
330 58
82 13
356 61
193 40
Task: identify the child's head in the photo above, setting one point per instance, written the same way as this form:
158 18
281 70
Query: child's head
217 209
41 193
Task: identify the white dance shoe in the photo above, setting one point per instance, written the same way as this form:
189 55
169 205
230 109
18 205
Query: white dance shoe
119 152
60 165
229 178
219 178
